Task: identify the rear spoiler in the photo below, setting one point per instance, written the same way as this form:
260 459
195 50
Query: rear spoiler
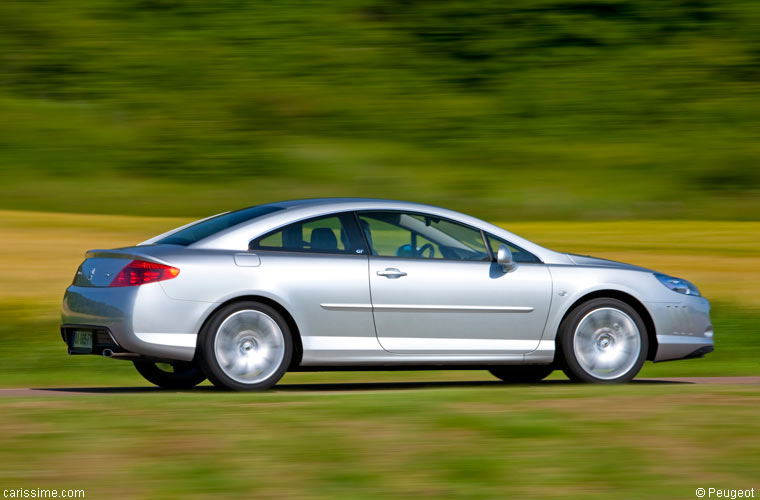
131 253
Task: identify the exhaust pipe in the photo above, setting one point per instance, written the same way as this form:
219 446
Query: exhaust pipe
108 353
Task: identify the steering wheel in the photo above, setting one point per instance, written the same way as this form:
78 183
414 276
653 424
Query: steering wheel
423 248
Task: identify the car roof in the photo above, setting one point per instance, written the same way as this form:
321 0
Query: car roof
347 202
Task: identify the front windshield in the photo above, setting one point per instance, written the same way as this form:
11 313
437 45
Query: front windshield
211 226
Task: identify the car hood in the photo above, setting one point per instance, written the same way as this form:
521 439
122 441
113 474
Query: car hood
586 260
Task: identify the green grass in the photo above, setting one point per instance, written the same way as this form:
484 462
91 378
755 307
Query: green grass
557 441
555 109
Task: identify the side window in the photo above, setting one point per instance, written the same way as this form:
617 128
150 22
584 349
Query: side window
419 236
331 234
518 254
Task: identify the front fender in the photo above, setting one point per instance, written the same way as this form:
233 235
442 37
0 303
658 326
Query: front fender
573 283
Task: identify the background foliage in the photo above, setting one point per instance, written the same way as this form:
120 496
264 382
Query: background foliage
509 110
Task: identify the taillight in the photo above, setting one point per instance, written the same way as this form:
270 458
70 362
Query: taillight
140 272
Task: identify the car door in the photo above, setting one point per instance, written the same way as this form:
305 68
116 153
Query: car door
318 268
436 290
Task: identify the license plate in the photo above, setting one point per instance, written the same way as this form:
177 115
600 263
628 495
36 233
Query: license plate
82 341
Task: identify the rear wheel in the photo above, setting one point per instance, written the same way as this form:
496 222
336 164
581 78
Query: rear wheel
603 341
527 374
245 346
179 375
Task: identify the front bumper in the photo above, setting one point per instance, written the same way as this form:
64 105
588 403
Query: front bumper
683 328
141 320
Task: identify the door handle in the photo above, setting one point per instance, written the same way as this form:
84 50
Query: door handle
391 272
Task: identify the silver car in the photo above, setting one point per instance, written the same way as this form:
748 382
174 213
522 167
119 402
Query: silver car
335 284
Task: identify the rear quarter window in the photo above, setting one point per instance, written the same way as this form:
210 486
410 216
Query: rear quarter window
327 234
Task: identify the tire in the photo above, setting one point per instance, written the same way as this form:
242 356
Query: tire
245 346
603 341
527 374
183 375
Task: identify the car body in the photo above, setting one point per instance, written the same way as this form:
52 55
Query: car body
349 296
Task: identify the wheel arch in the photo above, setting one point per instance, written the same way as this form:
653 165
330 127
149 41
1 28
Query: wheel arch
297 344
632 301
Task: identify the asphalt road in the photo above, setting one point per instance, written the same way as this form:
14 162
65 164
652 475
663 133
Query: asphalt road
352 387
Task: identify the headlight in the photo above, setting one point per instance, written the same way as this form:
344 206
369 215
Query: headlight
677 284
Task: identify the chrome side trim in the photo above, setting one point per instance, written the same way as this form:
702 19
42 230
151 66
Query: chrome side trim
425 308
451 308
346 307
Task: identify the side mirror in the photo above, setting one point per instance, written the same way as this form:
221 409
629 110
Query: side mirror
504 258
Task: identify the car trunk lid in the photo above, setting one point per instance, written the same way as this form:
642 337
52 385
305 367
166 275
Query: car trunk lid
101 267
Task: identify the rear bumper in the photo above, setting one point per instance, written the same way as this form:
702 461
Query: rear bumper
141 320
683 328
102 340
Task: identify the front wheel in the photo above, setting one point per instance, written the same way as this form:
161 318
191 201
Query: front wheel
179 375
528 374
603 341
245 346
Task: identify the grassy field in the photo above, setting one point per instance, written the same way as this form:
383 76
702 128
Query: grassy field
547 441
